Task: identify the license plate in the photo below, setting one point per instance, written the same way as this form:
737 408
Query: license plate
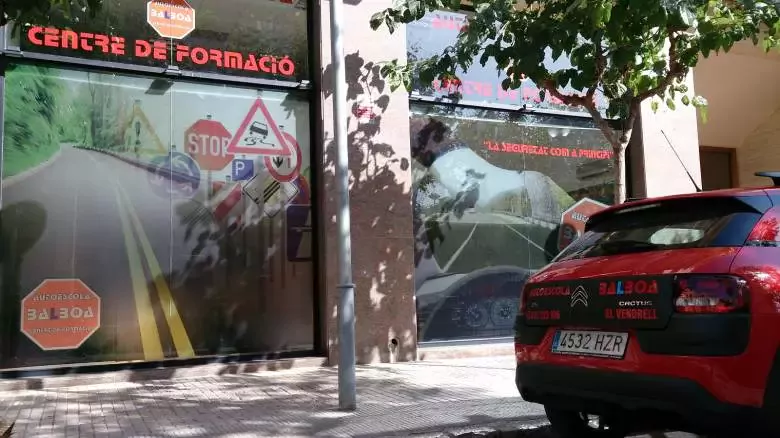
590 343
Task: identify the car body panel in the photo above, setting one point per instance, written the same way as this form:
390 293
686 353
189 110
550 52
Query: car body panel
737 379
690 260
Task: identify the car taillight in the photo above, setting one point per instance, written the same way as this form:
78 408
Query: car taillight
767 230
709 294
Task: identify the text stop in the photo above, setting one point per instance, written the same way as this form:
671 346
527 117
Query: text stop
204 144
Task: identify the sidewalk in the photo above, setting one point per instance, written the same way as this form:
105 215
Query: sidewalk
421 398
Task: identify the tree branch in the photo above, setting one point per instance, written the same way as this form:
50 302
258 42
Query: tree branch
633 113
604 127
568 99
601 65
587 103
676 70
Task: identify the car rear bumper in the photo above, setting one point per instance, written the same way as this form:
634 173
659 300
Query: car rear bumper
670 399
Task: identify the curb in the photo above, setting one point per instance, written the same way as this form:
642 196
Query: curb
531 426
19 177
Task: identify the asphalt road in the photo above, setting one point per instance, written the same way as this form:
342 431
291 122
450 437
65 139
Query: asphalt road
479 240
93 217
457 306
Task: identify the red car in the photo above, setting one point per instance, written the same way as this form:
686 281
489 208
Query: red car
663 315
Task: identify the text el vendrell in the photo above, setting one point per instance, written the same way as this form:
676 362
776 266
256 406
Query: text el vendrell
116 45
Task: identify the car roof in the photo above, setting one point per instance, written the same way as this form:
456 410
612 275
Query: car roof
723 193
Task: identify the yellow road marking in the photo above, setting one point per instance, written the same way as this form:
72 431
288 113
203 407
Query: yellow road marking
150 337
179 334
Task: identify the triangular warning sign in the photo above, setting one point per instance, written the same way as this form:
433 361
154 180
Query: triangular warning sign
259 134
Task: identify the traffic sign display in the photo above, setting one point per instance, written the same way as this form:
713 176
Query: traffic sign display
171 18
242 170
259 134
285 169
60 314
270 194
573 220
207 142
175 174
304 191
299 233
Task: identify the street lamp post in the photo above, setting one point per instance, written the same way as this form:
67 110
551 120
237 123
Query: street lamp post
346 307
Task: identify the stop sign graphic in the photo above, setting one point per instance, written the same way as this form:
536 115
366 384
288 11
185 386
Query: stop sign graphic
171 18
60 314
207 141
573 220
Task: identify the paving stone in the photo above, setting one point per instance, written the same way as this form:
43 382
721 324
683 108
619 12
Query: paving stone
393 400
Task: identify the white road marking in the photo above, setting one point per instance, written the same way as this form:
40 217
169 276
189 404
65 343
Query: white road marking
526 238
455 256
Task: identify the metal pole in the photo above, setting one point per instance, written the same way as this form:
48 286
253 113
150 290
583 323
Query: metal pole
346 308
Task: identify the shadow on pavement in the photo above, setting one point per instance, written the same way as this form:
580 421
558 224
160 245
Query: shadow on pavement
268 404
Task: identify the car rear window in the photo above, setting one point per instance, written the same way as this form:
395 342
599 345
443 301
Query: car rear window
672 224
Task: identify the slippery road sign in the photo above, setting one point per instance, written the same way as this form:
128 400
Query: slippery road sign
259 134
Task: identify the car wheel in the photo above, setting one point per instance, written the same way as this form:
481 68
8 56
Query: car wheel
572 424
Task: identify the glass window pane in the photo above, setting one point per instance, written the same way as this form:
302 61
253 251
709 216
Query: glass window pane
491 189
130 233
437 30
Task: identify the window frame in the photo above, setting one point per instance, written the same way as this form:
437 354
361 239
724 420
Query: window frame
308 89
574 118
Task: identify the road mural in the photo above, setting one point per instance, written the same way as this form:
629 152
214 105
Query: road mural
490 192
129 232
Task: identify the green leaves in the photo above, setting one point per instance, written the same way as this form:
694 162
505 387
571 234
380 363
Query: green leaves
701 104
37 11
601 14
632 50
396 75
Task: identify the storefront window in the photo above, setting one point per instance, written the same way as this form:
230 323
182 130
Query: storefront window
438 30
252 38
497 193
496 196
140 222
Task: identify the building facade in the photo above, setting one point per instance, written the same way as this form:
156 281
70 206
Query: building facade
739 137
168 186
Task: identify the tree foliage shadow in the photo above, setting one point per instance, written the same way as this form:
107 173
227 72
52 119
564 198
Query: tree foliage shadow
260 404
380 208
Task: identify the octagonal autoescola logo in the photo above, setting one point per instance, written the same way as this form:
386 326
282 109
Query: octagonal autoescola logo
171 18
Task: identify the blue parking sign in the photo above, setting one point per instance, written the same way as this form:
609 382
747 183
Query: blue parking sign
242 169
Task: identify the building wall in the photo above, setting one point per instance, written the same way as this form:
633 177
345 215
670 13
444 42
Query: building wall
760 151
380 181
658 170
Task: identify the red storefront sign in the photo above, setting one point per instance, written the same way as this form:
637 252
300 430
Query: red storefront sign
573 221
